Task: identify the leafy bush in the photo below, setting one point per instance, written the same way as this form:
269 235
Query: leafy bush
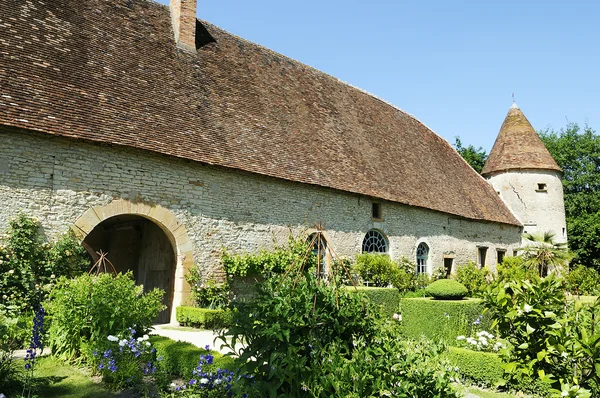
482 368
123 360
203 317
446 320
180 358
393 367
560 343
583 280
447 289
11 331
514 269
87 309
28 264
209 294
388 299
382 271
287 321
473 278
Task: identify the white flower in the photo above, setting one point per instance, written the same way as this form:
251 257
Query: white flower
12 271
204 380
122 342
527 308
218 381
145 337
148 344
460 338
565 393
112 338
52 276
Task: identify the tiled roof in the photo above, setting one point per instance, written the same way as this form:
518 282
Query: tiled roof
518 146
109 71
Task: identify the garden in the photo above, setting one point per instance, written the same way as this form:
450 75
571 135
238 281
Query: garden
296 329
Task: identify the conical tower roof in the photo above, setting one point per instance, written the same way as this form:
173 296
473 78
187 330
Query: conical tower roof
518 147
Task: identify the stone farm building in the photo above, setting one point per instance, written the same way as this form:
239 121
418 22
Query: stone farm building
162 139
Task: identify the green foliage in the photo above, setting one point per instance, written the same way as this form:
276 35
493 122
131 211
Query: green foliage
388 299
381 271
124 360
578 155
444 319
476 157
583 280
203 318
180 358
473 278
543 254
392 367
558 342
447 289
482 368
287 321
86 309
209 294
29 267
269 262
514 269
11 330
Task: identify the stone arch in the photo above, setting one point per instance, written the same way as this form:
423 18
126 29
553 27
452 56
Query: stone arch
168 223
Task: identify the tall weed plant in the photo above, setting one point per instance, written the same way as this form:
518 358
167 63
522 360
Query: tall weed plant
87 309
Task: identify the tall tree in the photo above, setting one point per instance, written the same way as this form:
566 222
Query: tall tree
476 157
578 154
542 253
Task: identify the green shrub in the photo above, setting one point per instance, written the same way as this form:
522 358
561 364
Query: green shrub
514 269
203 318
86 309
179 358
388 299
482 368
290 321
473 278
583 280
447 289
444 319
381 271
28 265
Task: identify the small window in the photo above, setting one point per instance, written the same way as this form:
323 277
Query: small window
500 253
374 242
448 262
422 256
481 255
376 211
541 187
564 231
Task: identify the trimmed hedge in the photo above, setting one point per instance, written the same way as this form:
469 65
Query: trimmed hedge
442 319
387 297
482 368
180 358
203 318
447 289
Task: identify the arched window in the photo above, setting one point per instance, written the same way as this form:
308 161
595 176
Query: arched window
374 242
422 255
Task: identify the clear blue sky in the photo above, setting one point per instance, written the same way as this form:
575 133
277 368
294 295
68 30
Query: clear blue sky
452 64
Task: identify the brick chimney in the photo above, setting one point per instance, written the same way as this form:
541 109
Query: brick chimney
183 17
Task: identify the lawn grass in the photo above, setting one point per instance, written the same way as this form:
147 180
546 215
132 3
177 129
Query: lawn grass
54 378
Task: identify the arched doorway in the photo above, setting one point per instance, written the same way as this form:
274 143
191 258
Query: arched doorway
173 229
135 243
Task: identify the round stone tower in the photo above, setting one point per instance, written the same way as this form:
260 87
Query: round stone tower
526 177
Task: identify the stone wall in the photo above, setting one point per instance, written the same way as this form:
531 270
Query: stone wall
58 180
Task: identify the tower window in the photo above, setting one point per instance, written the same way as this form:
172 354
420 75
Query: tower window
541 187
376 211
